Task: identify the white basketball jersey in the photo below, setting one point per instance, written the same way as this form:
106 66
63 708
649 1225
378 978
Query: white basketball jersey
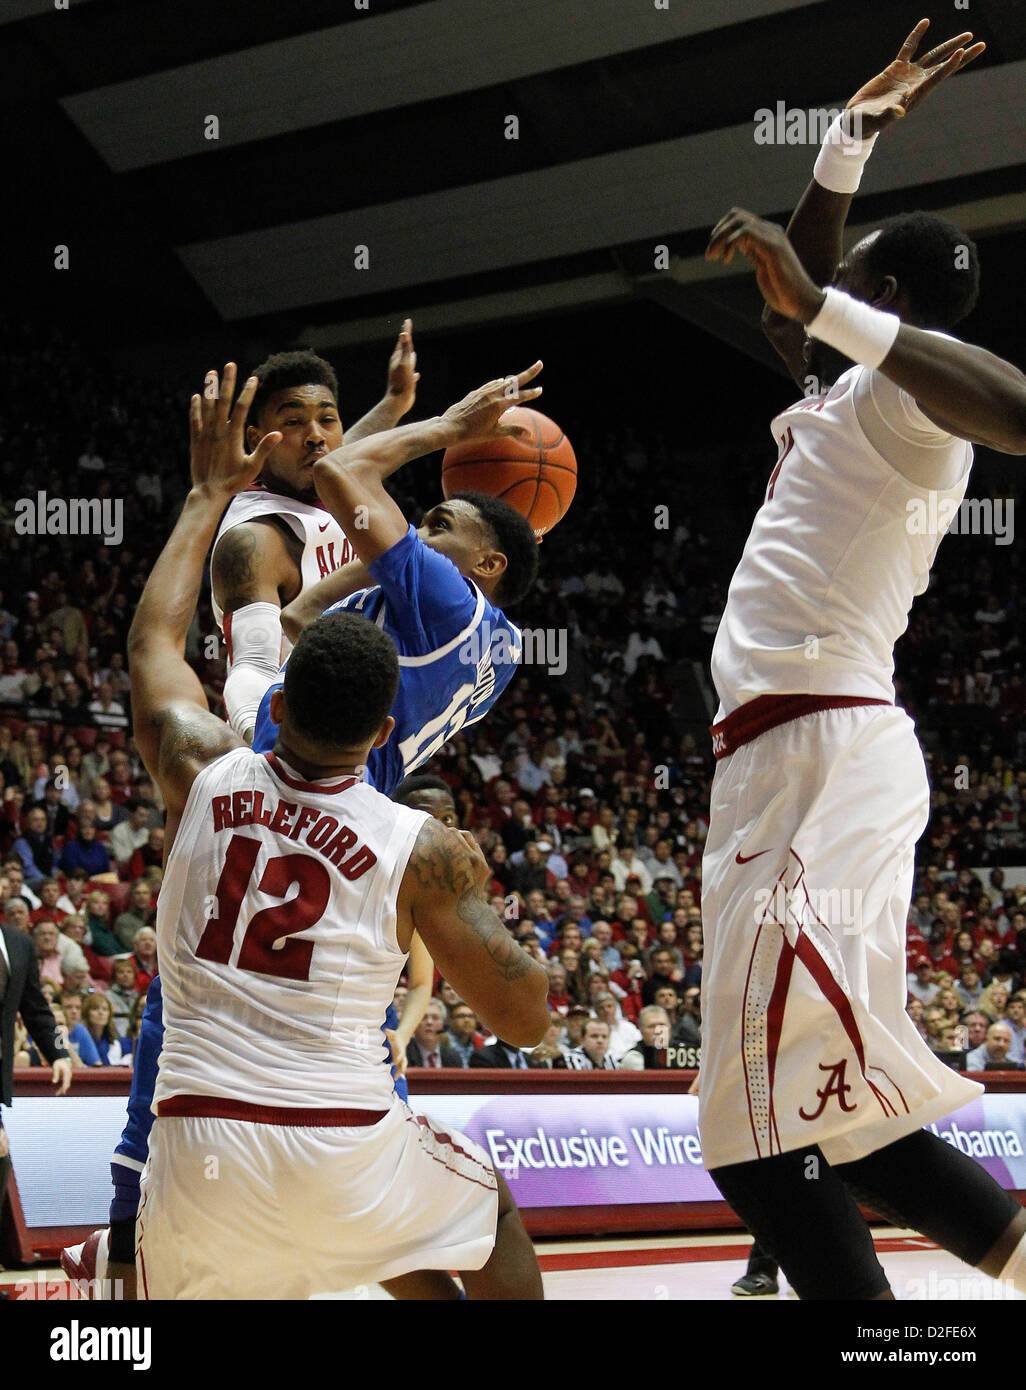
325 545
838 551
276 930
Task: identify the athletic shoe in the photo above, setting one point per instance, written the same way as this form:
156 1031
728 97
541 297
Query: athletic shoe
88 1262
755 1286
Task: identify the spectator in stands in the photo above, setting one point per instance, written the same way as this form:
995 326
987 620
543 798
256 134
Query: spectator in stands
976 1025
48 958
425 1048
84 851
78 1034
96 763
664 973
993 1055
627 865
144 953
667 937
610 957
119 776
49 896
622 1034
667 997
500 1054
106 813
150 855
688 1029
72 900
139 913
16 885
1007 970
593 1054
649 1053
98 1019
100 937
1015 1017
994 1001
105 710
969 987
462 1028
131 832
559 1000
35 848
122 993
530 874
914 1009
16 915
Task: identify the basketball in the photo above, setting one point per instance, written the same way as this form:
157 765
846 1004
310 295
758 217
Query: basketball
535 474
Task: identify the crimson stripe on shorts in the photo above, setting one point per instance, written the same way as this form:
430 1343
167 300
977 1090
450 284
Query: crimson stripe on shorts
222 1108
820 972
227 630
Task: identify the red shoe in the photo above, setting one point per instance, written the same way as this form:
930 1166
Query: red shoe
86 1264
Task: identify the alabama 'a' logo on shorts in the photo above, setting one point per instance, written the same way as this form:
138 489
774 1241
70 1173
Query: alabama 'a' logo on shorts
834 1085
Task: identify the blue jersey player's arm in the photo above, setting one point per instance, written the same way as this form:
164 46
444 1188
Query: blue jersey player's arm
350 481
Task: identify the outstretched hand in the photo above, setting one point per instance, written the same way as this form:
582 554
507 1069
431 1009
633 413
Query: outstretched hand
479 415
217 436
904 83
402 370
785 284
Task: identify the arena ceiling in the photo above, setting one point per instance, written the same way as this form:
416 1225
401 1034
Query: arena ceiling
385 128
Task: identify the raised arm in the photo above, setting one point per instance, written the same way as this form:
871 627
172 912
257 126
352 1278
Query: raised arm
964 389
174 730
443 899
350 480
816 228
400 393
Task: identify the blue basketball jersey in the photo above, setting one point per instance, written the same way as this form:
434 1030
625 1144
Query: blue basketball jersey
457 653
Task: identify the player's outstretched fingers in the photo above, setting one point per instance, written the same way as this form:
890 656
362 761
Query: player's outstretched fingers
227 393
529 375
908 48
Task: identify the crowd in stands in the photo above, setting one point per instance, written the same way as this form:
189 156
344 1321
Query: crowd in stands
588 795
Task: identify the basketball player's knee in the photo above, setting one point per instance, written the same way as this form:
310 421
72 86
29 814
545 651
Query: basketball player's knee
922 1182
506 1202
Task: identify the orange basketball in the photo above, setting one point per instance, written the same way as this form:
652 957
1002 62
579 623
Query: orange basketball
535 474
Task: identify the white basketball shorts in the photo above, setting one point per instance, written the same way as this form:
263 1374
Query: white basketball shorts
806 883
232 1209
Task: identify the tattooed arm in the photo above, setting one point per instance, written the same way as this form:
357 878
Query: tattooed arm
443 898
175 732
255 569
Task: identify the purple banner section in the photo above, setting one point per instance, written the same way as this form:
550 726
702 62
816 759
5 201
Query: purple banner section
587 1150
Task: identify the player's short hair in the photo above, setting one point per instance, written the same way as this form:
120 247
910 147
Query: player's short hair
301 367
341 680
416 784
514 537
935 263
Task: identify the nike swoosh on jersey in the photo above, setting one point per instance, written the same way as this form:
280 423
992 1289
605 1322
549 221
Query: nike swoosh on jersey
324 527
740 858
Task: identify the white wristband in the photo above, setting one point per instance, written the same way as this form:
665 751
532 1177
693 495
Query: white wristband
858 330
841 160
